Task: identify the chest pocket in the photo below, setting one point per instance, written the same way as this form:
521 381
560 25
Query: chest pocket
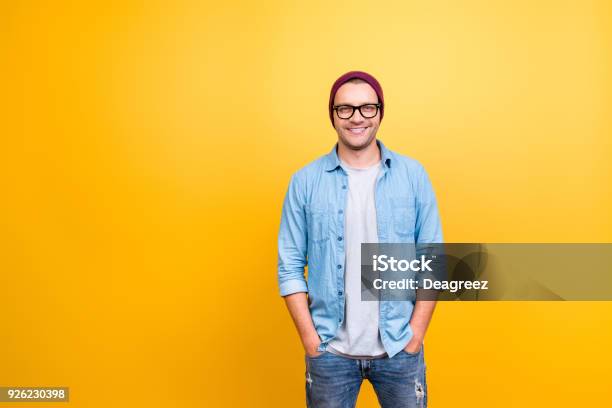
318 225
404 215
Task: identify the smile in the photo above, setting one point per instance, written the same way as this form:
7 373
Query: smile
358 130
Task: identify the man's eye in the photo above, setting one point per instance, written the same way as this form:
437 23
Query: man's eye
368 108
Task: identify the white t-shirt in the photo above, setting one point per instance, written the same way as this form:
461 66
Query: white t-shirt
358 336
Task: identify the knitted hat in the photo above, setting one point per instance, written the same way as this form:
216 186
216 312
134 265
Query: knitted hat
352 75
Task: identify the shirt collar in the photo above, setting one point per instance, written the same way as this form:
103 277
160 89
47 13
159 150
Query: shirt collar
333 161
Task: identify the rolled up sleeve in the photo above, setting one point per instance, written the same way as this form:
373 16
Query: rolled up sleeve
292 241
428 226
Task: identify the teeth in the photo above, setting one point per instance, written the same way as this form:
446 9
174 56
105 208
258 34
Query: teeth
357 130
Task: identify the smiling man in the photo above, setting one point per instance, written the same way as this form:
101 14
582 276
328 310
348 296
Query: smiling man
360 192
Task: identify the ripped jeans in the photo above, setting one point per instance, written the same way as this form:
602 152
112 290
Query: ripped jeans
333 381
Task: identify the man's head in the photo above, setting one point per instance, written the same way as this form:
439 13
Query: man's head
356 107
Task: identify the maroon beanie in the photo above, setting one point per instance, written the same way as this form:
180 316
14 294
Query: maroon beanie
352 75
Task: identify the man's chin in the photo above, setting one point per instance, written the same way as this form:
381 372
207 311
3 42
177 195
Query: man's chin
357 144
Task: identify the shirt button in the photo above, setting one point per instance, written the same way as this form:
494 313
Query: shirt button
339 266
339 293
339 238
344 187
340 211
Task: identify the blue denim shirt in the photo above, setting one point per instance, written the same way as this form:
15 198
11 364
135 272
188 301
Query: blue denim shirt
312 232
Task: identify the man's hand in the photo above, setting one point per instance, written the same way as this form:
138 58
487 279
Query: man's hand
421 315
311 346
415 344
297 304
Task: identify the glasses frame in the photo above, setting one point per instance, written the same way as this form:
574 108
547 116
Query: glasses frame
378 105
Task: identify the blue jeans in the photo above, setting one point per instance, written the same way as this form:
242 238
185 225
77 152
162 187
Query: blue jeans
333 381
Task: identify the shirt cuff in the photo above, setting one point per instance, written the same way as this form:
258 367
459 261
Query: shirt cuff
293 286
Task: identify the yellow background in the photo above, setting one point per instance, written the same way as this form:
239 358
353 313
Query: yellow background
146 147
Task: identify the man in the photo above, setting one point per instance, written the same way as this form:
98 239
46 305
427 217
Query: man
361 192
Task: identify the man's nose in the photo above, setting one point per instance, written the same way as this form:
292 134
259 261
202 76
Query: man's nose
357 116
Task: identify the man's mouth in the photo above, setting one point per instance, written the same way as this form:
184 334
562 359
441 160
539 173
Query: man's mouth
357 130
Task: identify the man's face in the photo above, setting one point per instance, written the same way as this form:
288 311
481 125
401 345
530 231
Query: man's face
357 132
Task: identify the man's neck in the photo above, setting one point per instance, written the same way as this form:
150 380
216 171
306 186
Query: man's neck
360 159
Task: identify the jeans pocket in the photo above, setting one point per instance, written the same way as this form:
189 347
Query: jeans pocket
316 357
412 354
416 353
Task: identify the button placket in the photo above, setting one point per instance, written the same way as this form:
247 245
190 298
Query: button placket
342 195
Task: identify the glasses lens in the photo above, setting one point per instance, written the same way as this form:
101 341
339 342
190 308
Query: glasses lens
369 111
344 112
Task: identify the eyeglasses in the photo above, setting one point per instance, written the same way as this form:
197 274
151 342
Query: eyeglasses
347 111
